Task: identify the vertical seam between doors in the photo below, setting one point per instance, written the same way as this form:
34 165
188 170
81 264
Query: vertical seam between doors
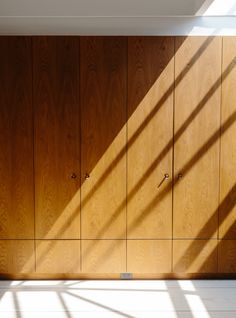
33 133
220 134
173 160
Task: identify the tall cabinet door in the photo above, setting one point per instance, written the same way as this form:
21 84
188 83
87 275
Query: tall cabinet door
103 127
103 153
150 146
16 139
227 211
196 152
57 137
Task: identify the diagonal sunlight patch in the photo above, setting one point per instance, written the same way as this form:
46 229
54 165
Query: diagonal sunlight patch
117 151
158 129
197 307
107 197
145 122
159 102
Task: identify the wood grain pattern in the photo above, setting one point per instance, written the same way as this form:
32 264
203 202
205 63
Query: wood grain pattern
16 141
103 118
103 256
197 119
227 212
150 133
199 256
17 256
57 137
57 256
227 256
149 256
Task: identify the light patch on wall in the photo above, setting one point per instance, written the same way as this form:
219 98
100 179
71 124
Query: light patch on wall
218 8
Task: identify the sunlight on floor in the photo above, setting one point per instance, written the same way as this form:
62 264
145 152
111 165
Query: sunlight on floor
73 299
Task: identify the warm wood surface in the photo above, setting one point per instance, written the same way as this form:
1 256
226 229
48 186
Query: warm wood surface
199 256
57 137
197 123
103 116
103 256
149 256
227 213
150 133
16 139
17 256
58 256
227 256
56 75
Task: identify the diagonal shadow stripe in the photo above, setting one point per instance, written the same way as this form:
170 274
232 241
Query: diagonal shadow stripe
185 169
198 249
110 309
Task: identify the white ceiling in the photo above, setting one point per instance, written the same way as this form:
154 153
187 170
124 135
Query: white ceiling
99 7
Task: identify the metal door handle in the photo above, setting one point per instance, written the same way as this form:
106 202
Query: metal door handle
166 176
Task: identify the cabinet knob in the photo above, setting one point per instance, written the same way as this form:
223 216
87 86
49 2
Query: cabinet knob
87 176
166 176
73 176
180 176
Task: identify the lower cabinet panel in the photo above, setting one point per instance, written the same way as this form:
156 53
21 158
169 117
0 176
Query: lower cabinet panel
103 256
57 256
195 256
149 256
17 256
227 256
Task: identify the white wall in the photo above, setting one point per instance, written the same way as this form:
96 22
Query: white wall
109 8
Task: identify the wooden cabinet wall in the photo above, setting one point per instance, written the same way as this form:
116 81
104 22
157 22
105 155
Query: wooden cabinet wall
117 155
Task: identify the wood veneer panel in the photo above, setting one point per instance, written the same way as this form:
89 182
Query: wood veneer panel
150 133
57 256
149 256
103 256
16 139
103 118
17 256
57 137
227 256
227 212
195 256
197 124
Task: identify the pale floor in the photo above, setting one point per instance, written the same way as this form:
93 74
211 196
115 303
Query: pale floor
78 299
